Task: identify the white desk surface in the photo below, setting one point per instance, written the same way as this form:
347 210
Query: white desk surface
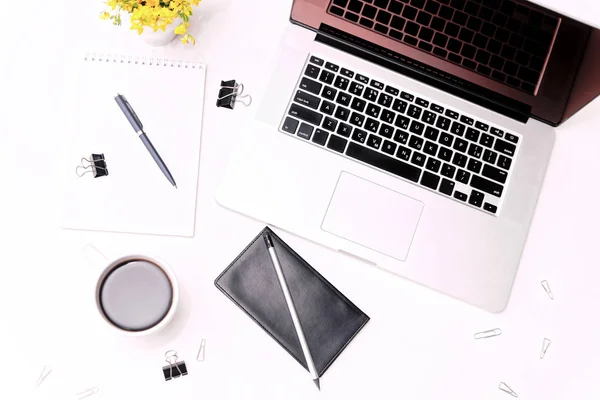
418 345
586 11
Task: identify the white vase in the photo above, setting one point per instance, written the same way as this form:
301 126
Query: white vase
160 38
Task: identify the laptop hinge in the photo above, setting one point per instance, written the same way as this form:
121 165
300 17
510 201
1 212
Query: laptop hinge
423 73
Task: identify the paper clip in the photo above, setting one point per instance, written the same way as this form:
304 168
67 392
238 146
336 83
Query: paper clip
201 351
45 372
87 393
232 92
488 334
505 388
180 367
545 346
546 287
96 164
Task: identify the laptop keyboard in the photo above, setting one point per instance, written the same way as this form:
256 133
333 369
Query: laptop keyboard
501 39
439 148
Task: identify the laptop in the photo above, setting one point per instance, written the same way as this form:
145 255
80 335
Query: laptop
414 134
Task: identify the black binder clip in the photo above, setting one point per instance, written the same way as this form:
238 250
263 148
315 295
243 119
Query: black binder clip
232 92
174 369
96 164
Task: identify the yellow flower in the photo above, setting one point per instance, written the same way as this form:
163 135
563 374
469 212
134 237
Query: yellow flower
104 15
180 30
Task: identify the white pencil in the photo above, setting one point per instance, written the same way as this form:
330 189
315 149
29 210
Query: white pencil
292 309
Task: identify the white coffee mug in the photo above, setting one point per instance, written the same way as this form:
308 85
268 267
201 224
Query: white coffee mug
135 294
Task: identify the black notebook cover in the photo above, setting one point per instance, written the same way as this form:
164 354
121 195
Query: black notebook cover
329 320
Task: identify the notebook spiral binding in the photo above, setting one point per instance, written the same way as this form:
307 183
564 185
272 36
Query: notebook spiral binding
154 61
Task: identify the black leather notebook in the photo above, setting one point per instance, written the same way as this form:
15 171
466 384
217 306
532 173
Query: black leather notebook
329 320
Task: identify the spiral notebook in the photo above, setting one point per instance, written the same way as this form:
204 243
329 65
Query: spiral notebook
135 196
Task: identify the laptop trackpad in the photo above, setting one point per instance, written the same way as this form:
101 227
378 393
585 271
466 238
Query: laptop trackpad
373 216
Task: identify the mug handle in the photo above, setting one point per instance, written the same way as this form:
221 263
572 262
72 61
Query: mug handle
93 256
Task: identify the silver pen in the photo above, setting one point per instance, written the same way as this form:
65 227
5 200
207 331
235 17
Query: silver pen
292 309
139 129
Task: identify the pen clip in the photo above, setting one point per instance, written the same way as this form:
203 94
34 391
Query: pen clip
133 114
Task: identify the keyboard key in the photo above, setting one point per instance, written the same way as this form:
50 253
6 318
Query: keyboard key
386 131
430 148
414 111
392 90
332 67
358 104
376 84
403 153
460 145
436 108
370 94
305 131
307 99
329 93
511 138
399 106
416 127
329 124
430 180
385 100
344 129
466 120
494 173
341 82
306 114
351 16
482 126
356 88
431 133
448 170
504 147
320 137
290 125
357 119
374 141
433 164
373 110
443 123
337 143
451 114
347 73
388 116
446 139
362 78
476 198
316 60
489 156
401 136
474 165
490 207
475 150
407 96
497 132
372 125
402 122
343 99
326 77
486 140
447 187
445 153
342 113
428 117
459 159
359 136
415 142
310 85
504 162
422 102
460 196
389 147
327 107
312 71
463 176
457 128
487 186
418 158
384 162
472 134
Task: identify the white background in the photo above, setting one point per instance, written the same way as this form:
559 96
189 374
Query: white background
418 345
